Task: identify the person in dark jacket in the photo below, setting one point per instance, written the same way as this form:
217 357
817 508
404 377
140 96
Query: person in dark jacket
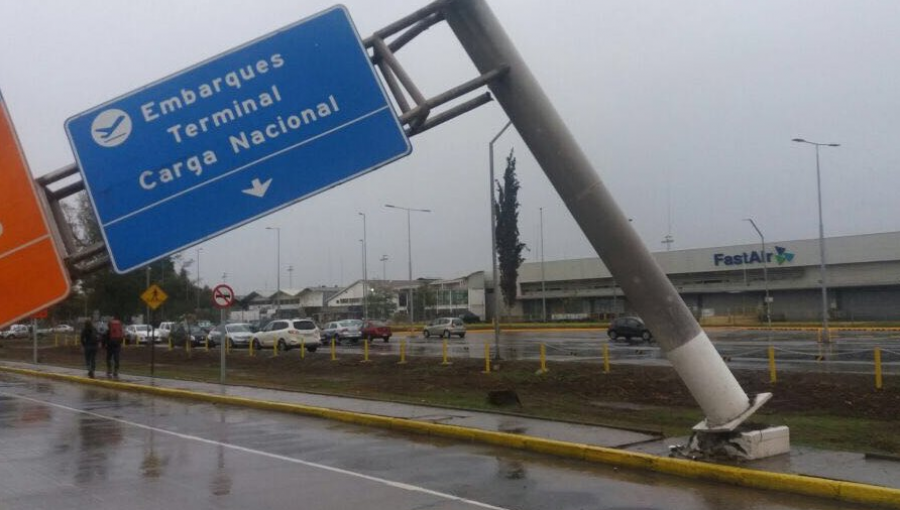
112 341
90 343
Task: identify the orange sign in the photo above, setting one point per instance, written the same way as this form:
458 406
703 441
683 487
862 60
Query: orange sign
32 276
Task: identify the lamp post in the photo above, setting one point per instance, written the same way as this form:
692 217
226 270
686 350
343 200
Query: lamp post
278 268
365 271
822 274
494 243
409 300
765 257
543 279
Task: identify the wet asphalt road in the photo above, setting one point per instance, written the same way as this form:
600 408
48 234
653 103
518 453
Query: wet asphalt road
69 446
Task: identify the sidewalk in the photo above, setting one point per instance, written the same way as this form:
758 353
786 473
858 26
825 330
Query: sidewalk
830 465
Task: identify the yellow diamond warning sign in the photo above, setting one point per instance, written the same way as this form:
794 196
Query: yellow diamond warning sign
154 296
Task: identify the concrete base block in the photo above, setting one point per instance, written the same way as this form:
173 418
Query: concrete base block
745 444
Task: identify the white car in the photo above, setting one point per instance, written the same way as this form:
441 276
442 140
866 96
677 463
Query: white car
445 327
288 333
164 330
237 334
62 328
16 331
138 333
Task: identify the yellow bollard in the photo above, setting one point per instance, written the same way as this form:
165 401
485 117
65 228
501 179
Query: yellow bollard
878 368
402 353
543 359
302 349
170 342
444 353
605 358
333 351
188 344
365 350
206 343
55 340
819 335
773 376
252 343
275 348
487 359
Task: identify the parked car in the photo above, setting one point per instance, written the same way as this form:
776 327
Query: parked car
16 331
445 327
185 332
138 333
237 334
287 334
376 329
469 318
629 328
348 329
63 328
162 332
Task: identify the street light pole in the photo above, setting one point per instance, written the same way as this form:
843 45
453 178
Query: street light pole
365 271
278 267
765 256
384 259
825 334
543 279
494 244
409 300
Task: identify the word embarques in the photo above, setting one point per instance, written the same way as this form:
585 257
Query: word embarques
231 80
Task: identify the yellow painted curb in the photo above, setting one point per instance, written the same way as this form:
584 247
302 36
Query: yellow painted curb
850 492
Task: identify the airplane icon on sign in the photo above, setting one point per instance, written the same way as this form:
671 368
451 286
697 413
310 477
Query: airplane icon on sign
111 128
106 133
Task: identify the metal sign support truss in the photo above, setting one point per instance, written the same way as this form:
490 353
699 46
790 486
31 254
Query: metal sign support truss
418 118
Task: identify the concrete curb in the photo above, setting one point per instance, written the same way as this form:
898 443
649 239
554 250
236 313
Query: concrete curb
850 492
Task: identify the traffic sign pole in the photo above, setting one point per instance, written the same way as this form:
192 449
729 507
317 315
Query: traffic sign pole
222 341
223 298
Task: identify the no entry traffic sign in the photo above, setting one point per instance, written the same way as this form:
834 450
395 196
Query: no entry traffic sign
223 296
258 128
32 275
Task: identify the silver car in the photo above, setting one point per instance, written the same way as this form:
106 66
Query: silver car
348 329
445 327
237 334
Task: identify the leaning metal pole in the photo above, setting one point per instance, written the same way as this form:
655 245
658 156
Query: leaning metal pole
686 345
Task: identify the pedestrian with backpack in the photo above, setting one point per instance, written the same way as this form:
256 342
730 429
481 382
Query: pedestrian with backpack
114 338
90 343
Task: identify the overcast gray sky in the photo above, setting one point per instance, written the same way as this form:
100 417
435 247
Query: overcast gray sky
686 109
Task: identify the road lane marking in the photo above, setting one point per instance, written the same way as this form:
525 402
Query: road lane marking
383 481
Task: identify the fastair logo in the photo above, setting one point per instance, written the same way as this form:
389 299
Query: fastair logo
782 255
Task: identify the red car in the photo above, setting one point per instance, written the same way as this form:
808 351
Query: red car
376 329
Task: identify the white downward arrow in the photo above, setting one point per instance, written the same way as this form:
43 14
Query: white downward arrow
259 188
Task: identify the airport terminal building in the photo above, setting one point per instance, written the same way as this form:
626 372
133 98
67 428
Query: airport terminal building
863 279
718 285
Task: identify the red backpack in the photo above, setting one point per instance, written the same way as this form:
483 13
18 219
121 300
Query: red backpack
115 330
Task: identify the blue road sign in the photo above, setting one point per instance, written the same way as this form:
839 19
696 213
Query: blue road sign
234 138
